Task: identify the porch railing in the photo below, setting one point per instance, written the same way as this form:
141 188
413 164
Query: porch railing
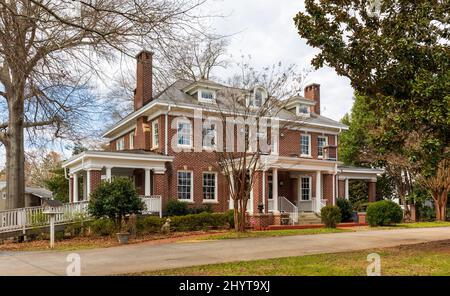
284 205
153 204
32 217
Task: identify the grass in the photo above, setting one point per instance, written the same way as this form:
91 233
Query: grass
419 259
425 224
272 233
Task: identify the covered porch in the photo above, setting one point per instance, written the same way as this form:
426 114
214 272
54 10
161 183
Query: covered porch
87 170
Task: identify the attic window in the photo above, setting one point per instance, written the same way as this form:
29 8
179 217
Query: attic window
302 109
259 97
206 95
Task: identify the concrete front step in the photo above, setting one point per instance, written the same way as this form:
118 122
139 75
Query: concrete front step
308 218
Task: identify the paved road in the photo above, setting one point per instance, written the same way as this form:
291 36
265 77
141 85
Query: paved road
143 257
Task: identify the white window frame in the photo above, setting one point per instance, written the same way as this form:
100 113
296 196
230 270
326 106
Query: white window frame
308 110
192 186
252 98
216 183
182 121
326 144
131 138
309 145
155 139
200 96
212 147
301 188
120 144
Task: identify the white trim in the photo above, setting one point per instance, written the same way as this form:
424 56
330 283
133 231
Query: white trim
155 122
300 195
115 155
120 143
192 185
214 147
131 140
309 145
216 187
123 133
201 99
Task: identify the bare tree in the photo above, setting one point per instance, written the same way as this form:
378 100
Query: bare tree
49 52
249 112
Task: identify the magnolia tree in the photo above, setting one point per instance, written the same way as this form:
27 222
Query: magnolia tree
51 50
243 125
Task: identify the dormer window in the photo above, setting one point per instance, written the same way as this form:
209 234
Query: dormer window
303 110
206 95
258 98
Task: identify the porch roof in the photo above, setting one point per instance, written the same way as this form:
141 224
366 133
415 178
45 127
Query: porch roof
90 160
353 172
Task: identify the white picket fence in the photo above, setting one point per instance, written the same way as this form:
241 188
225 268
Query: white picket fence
33 217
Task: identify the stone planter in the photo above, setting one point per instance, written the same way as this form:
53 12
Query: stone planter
122 237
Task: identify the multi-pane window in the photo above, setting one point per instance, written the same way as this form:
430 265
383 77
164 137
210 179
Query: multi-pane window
155 134
209 186
305 187
120 144
184 133
302 109
321 143
207 95
305 145
184 185
209 136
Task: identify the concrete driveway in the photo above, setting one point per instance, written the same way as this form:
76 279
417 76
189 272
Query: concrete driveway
144 257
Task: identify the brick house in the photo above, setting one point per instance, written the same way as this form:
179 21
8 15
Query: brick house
305 176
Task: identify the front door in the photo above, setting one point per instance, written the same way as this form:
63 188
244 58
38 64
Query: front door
304 194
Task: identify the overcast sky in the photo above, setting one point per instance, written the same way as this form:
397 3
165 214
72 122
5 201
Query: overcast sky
265 30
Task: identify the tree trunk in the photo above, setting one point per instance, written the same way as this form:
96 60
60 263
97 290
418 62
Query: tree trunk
438 209
15 173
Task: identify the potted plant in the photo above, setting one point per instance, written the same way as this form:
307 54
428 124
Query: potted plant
116 200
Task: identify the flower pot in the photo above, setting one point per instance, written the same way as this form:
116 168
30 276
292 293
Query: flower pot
123 237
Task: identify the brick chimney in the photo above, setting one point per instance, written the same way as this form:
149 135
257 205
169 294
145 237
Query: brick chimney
312 92
144 87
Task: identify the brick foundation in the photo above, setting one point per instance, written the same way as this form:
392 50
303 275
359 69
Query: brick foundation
261 221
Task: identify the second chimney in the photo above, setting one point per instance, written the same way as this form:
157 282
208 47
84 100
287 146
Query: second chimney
312 92
144 82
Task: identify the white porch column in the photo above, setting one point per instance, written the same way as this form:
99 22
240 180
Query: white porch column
275 189
108 174
346 189
230 204
75 187
88 184
264 190
147 183
318 190
334 190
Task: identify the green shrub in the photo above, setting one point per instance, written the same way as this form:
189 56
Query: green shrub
202 209
176 208
231 218
102 227
331 216
384 212
115 200
346 209
200 221
149 224
426 213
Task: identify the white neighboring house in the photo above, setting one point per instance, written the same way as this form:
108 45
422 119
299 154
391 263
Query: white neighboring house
34 196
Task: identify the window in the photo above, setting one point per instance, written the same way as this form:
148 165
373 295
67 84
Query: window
206 95
184 184
258 98
321 143
120 144
4 195
305 188
131 140
155 134
305 145
184 133
302 109
209 136
270 181
209 186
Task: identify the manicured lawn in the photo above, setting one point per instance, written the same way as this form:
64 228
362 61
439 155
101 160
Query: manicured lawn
271 233
420 259
425 224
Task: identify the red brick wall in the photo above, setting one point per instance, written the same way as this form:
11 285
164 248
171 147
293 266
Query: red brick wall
327 193
144 88
95 179
341 190
142 138
372 191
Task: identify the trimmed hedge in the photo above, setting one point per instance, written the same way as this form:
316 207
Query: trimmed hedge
102 227
200 221
176 207
149 224
331 216
384 212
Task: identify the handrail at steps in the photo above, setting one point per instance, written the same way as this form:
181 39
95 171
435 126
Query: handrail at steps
287 206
